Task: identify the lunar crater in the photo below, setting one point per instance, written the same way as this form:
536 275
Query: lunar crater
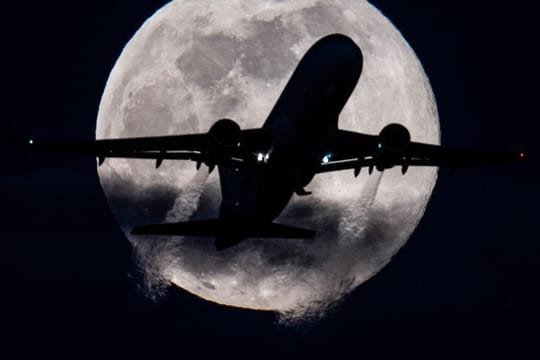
208 59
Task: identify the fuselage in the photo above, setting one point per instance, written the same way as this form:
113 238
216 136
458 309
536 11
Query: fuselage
302 125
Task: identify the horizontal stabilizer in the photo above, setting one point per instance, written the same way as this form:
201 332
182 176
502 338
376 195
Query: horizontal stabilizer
188 228
216 227
274 230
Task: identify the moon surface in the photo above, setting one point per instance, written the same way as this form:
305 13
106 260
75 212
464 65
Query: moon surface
194 62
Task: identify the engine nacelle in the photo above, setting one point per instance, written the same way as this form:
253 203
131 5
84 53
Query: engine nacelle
395 137
225 135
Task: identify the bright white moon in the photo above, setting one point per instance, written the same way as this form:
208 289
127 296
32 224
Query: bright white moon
194 62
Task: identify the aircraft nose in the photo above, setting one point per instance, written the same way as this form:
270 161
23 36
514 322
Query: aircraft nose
343 50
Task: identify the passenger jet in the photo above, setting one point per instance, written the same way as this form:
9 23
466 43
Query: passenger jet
260 169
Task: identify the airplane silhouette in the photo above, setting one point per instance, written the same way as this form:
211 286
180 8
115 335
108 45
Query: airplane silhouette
260 169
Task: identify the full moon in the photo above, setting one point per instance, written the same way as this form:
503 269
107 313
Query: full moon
194 62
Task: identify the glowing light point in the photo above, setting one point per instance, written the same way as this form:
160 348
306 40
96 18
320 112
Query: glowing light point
379 145
260 157
522 155
31 142
326 158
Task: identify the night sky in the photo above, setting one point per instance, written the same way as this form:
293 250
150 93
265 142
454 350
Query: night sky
466 285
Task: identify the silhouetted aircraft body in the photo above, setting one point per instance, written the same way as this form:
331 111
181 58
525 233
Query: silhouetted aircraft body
260 169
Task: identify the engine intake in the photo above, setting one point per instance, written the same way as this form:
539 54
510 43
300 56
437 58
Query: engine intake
225 135
395 137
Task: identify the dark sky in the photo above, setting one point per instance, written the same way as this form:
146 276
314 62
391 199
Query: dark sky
466 285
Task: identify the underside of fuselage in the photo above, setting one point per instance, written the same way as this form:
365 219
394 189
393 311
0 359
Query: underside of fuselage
302 125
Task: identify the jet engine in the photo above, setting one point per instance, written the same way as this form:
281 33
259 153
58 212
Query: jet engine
395 137
225 135
223 140
394 140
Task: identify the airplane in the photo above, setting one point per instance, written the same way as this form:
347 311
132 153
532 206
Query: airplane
260 169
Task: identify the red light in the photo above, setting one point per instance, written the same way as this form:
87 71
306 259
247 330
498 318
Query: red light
522 155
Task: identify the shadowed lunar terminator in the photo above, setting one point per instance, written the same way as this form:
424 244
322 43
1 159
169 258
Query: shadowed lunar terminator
260 169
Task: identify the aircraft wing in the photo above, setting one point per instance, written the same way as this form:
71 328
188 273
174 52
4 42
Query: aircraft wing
225 144
392 147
